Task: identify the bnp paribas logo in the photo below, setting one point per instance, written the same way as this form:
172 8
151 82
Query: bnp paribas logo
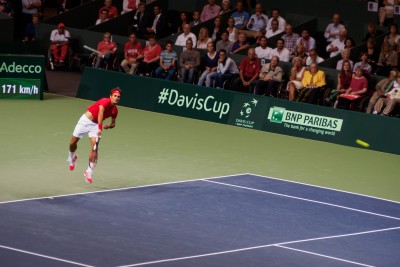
276 114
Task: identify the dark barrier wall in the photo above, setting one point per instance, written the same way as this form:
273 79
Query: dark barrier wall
244 110
7 28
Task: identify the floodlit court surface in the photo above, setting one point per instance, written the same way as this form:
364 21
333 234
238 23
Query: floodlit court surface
171 191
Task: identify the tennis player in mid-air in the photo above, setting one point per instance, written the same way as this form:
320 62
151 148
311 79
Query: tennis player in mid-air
91 123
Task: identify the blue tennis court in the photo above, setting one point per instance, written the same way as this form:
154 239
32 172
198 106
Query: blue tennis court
241 220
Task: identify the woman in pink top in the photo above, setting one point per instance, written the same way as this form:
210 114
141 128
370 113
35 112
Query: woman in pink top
358 88
151 56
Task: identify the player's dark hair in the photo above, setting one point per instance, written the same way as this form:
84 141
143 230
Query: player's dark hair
116 89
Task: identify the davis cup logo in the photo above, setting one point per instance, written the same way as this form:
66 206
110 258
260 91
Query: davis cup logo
246 112
248 108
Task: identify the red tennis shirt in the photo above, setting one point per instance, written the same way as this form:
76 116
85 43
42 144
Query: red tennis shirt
109 110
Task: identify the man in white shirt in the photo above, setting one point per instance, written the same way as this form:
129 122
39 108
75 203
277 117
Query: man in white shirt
59 44
276 15
333 29
263 52
313 58
181 40
280 51
274 29
337 46
258 20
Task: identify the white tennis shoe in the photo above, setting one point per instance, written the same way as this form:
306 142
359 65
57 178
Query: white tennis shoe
88 177
72 163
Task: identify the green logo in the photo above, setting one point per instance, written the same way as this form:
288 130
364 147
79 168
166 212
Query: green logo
276 114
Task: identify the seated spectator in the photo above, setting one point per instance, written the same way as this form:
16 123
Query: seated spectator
358 88
372 32
313 57
107 50
274 30
233 32
158 23
196 19
129 5
168 60
276 14
29 7
393 38
349 43
59 44
345 56
363 63
189 62
225 70
313 81
183 37
386 105
383 87
373 54
240 16
225 7
103 17
337 46
300 53
184 19
258 20
386 12
280 51
290 38
132 54
263 51
140 20
240 44
210 62
270 77
217 30
307 41
66 5
388 59
343 82
210 11
203 38
112 10
333 29
261 33
151 57
224 43
296 78
30 31
249 70
6 8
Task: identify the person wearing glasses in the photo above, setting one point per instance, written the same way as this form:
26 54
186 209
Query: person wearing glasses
106 49
103 17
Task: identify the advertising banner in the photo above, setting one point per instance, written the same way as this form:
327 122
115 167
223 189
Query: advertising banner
22 77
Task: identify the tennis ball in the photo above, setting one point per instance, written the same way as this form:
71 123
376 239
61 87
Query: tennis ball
362 143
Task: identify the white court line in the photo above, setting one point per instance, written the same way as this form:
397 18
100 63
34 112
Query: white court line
325 256
327 188
45 256
257 247
304 199
120 189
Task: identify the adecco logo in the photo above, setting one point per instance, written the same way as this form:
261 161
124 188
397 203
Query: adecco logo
15 68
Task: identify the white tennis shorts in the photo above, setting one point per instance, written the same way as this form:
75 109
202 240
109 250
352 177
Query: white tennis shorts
85 126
